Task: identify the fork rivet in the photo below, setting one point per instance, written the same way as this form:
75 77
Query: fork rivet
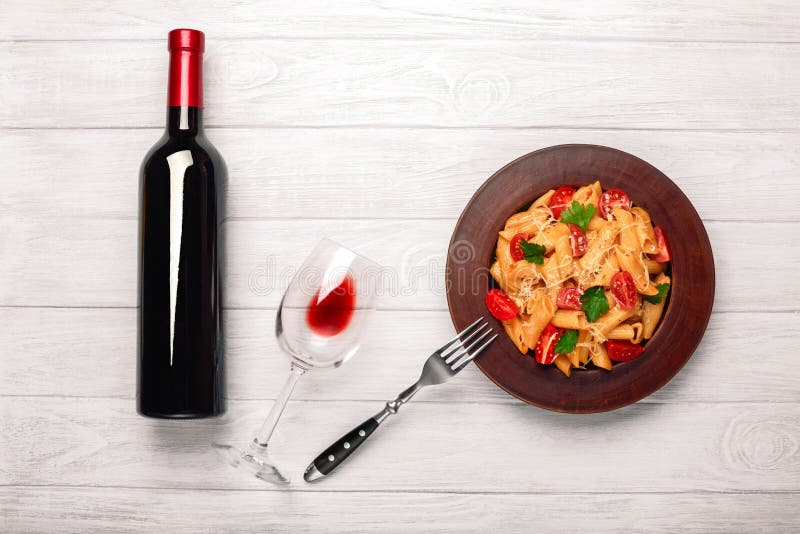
331 458
362 433
346 444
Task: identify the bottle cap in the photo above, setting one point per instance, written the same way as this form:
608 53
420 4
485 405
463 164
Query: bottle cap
186 39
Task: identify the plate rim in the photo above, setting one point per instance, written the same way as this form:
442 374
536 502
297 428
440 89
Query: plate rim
703 320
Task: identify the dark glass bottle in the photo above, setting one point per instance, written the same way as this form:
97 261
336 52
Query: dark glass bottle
180 360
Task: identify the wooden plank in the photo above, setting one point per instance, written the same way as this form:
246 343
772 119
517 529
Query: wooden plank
428 447
57 358
740 20
138 510
411 83
92 262
419 173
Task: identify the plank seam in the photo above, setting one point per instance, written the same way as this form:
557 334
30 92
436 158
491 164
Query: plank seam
409 491
417 38
497 402
412 126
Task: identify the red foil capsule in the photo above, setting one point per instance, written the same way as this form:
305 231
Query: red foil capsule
186 68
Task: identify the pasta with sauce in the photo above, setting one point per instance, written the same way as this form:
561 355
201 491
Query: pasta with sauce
582 278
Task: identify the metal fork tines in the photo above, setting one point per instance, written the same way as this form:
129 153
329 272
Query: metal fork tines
452 354
445 363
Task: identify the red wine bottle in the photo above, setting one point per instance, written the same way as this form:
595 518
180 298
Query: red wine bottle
180 360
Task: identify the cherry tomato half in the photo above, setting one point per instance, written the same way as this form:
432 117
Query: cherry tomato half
561 200
578 241
613 199
500 305
624 290
546 347
664 253
622 351
569 298
515 248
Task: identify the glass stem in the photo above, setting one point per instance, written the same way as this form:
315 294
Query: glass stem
262 438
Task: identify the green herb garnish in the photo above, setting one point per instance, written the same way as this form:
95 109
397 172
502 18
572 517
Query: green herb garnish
662 293
566 343
533 253
578 214
594 303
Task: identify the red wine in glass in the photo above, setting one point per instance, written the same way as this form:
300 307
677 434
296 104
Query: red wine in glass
320 322
328 315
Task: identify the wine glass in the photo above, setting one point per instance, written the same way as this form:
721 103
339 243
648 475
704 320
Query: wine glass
319 324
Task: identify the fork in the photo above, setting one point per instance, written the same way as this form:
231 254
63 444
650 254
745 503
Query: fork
441 366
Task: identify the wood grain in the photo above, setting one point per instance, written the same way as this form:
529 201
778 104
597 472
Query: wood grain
393 113
50 353
136 510
644 447
419 173
411 83
92 262
741 20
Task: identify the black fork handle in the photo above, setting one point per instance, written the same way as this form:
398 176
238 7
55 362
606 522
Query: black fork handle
333 456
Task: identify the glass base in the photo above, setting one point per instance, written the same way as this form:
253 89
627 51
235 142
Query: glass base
255 461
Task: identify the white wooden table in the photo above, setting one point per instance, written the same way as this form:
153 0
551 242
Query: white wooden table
373 123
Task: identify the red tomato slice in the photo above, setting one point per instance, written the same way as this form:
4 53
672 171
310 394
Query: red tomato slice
561 200
578 241
569 298
624 290
516 249
546 347
613 199
664 253
500 305
622 351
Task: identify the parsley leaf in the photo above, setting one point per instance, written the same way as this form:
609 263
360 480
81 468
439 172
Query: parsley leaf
533 253
566 343
662 292
594 303
578 214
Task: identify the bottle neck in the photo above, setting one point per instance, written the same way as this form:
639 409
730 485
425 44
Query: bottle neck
184 120
185 92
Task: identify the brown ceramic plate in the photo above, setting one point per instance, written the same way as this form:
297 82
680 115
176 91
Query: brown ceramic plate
512 189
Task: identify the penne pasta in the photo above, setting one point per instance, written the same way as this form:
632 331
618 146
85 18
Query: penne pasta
558 267
503 253
622 331
610 320
644 230
563 263
582 346
654 267
513 329
574 359
638 332
529 222
608 268
543 200
541 311
497 274
628 331
570 320
651 313
634 264
628 237
588 194
563 365
550 236
599 356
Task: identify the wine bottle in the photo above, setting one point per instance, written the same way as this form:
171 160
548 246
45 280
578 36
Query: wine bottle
180 360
